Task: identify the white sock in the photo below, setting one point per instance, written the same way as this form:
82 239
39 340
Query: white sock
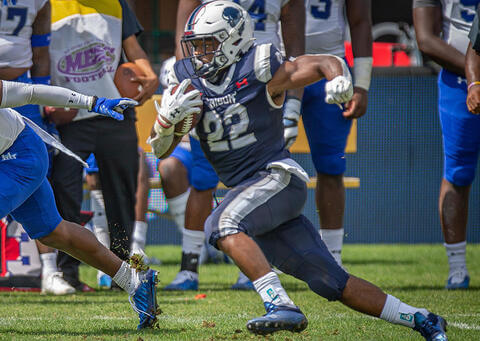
139 235
49 263
456 257
192 241
271 290
334 241
99 220
127 278
397 312
176 208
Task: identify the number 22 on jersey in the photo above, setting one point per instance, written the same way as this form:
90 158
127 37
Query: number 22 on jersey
235 121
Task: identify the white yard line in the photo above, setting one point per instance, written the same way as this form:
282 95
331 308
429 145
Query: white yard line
461 325
25 318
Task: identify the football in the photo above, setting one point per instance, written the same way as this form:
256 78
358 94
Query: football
188 123
122 80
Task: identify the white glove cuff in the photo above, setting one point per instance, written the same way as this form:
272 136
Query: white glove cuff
160 144
362 72
161 130
291 109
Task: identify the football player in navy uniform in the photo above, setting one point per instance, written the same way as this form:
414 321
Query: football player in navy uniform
241 132
190 207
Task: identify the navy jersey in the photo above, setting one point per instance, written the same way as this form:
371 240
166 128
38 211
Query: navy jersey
241 129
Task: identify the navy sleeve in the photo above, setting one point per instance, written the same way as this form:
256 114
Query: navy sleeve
130 24
276 59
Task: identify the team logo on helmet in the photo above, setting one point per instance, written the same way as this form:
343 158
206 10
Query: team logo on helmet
232 16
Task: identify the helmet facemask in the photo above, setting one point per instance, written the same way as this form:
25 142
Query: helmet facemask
221 24
205 53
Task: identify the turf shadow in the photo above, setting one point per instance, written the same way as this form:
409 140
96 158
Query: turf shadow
429 288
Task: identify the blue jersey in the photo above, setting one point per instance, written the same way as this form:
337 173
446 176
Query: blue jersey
241 129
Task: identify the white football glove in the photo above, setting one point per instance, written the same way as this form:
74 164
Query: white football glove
338 90
291 115
175 107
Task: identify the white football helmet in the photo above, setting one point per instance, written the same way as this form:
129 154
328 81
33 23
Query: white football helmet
227 23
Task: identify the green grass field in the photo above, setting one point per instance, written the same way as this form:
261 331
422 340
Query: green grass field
415 274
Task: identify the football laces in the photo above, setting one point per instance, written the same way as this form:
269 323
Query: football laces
186 125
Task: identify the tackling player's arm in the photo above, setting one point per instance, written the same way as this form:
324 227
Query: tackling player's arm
40 40
427 20
14 94
184 9
292 18
360 22
309 69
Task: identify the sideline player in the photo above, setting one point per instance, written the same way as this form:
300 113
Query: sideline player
327 125
243 88
267 16
87 63
460 129
26 195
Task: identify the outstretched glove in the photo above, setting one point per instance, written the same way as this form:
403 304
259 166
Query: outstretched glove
175 107
291 115
338 90
112 107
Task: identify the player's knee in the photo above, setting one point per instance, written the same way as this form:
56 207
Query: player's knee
323 276
215 233
334 164
171 169
460 175
57 238
330 287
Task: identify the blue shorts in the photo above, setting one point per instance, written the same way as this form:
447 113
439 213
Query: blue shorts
185 157
92 165
25 192
257 205
327 130
203 175
460 130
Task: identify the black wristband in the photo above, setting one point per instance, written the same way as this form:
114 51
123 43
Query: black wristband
95 98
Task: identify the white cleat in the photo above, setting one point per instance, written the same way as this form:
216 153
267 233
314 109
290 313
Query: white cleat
55 284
